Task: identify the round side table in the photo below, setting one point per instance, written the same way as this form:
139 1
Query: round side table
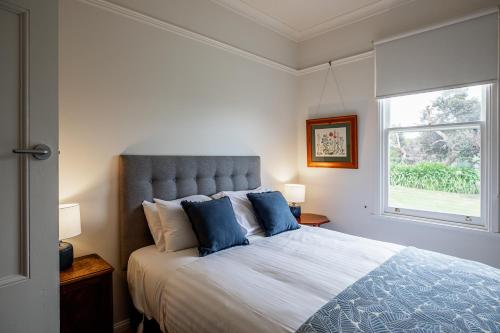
313 220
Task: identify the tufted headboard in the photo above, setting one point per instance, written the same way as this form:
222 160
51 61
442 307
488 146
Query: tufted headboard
171 177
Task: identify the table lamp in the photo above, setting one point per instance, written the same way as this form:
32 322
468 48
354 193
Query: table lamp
69 226
294 194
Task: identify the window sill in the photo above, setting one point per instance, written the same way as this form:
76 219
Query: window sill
430 222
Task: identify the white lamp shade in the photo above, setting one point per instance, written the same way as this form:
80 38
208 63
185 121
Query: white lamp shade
69 221
295 193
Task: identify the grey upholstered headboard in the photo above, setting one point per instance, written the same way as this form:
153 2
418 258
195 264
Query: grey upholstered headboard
171 177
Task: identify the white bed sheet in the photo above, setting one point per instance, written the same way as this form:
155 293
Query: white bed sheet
272 285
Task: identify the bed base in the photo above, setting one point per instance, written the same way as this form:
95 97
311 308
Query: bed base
148 325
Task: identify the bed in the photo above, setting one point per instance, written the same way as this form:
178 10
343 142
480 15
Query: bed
306 280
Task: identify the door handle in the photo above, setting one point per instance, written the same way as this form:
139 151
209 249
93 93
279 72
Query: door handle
40 152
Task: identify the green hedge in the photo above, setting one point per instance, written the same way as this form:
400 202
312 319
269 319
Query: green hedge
436 177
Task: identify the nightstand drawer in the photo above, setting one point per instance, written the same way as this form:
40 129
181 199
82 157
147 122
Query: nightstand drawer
86 302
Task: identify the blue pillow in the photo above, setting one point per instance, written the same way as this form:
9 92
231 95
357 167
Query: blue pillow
272 212
214 224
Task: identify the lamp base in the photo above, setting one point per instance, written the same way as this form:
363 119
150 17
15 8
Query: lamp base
296 211
65 255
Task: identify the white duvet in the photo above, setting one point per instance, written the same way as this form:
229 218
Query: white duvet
272 285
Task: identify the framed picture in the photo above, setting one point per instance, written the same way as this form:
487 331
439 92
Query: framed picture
332 142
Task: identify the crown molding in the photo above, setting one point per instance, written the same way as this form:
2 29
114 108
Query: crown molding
359 14
242 9
337 63
165 26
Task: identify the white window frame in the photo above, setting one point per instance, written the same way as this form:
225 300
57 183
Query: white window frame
488 126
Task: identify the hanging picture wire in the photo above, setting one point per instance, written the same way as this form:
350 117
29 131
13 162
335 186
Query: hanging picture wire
332 142
325 83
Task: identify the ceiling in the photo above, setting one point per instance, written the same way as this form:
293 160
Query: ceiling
299 20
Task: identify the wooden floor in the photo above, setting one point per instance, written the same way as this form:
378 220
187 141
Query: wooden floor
123 327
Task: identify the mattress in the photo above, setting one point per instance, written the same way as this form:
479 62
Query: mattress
272 285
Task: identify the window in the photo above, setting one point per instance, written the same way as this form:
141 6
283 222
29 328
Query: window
435 155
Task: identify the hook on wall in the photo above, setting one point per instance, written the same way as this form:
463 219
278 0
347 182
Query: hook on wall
330 71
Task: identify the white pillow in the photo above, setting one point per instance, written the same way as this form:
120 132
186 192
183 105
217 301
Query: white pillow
243 208
154 224
177 230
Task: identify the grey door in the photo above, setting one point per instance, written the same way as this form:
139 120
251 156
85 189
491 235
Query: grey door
29 274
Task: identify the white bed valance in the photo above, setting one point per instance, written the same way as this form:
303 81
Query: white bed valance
460 53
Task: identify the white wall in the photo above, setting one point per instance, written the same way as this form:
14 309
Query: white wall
212 20
358 37
342 194
126 87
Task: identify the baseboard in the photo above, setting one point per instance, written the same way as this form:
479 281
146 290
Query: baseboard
122 327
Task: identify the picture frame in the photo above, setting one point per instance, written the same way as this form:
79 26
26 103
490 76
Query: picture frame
332 142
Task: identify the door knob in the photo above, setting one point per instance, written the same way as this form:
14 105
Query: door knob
40 152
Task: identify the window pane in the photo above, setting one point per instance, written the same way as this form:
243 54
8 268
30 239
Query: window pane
436 107
437 171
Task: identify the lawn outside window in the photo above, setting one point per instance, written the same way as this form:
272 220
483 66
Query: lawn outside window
435 156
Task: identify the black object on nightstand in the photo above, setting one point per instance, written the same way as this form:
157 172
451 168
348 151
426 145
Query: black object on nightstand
65 255
87 296
296 210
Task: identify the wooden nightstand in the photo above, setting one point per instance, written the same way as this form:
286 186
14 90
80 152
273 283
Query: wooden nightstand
313 220
87 296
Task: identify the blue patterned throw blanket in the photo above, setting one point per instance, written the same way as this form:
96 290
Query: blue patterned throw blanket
416 291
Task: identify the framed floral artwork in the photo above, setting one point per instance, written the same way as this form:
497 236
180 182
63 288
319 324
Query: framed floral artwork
332 142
